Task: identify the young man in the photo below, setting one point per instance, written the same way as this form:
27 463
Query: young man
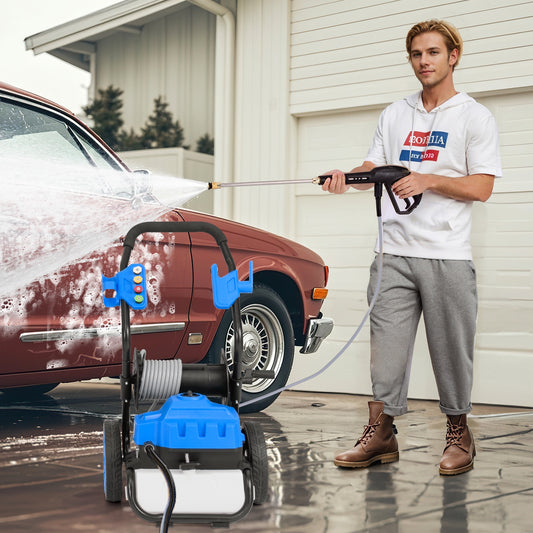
449 142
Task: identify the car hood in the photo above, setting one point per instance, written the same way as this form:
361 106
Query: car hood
252 239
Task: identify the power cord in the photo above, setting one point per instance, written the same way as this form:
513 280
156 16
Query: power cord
165 521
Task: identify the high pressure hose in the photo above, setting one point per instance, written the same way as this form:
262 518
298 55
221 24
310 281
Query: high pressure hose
381 176
350 340
161 379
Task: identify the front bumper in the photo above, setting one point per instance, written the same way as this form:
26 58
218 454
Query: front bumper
319 329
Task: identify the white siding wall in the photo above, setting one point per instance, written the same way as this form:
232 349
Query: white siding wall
172 57
347 63
349 53
263 124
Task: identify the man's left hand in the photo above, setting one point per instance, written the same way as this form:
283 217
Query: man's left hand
411 185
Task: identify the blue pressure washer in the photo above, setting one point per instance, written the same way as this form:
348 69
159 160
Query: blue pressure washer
193 460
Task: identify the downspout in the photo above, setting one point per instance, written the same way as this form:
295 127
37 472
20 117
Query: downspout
91 93
224 103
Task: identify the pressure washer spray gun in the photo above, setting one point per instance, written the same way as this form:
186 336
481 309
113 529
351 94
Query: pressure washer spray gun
380 176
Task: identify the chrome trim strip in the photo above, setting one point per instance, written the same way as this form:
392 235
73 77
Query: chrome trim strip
91 333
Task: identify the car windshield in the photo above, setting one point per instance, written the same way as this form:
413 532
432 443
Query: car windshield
25 132
33 137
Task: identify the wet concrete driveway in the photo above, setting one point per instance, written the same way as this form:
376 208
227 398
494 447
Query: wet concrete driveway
51 469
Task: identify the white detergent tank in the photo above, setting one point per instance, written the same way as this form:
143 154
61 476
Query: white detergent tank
217 492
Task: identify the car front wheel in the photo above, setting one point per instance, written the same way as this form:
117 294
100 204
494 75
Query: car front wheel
268 344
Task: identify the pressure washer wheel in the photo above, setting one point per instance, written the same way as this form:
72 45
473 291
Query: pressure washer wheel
112 461
255 452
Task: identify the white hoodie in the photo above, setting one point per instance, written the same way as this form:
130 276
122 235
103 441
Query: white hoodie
457 138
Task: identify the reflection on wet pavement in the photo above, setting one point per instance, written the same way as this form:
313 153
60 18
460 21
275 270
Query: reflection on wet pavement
51 469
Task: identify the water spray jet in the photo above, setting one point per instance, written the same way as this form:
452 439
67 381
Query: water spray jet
53 213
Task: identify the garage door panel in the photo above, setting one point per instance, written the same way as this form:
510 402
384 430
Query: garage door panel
502 239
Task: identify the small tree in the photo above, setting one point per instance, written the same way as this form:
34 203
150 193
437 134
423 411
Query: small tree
160 130
105 110
205 145
129 140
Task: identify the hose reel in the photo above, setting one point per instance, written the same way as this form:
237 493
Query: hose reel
158 379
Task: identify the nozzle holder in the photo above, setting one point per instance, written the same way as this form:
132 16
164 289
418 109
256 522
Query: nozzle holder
226 289
128 285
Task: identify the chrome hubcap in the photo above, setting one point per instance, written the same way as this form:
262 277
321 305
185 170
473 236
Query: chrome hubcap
263 344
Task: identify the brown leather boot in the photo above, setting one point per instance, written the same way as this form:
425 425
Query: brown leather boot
377 443
459 453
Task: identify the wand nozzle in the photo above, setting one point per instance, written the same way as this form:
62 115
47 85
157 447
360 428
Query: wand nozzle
385 175
213 185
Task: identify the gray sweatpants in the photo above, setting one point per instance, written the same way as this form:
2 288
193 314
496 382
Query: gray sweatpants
445 292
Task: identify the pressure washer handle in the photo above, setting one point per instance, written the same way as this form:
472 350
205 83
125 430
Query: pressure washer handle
386 175
176 227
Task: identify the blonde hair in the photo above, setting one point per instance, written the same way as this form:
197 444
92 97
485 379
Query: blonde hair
449 32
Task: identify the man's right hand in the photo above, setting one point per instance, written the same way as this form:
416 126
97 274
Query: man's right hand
337 183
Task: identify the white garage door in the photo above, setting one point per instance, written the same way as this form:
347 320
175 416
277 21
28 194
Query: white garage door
343 229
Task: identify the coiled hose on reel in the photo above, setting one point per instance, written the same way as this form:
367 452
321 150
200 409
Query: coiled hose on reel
158 379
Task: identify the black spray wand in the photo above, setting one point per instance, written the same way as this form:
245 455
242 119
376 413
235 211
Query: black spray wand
385 175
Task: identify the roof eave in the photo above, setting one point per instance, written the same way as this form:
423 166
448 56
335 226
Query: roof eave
72 41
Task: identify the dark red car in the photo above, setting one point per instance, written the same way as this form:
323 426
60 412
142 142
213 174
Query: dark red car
57 330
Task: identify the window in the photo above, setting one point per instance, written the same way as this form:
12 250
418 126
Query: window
29 133
38 148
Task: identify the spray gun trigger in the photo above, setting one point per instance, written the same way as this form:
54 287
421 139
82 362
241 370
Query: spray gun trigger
410 203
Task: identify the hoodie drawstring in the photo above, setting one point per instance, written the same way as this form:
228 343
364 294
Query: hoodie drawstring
436 112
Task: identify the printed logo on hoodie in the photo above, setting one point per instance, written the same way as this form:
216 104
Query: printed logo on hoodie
423 139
